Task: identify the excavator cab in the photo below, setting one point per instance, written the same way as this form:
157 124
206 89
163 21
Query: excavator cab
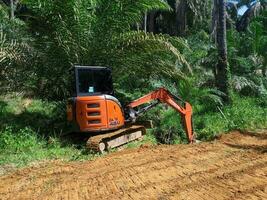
93 81
93 107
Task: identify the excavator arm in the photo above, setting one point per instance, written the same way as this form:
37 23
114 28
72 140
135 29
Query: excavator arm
164 96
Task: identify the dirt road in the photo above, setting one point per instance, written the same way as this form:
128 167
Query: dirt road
233 167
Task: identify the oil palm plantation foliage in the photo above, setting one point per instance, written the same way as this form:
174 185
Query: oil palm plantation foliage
148 44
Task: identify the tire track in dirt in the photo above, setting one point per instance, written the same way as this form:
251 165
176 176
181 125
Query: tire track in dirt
233 167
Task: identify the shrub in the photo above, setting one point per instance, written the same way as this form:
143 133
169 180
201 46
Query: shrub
244 113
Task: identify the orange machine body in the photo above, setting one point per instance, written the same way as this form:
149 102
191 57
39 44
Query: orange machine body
96 113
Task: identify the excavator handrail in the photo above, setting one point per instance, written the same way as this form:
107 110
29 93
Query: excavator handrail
165 96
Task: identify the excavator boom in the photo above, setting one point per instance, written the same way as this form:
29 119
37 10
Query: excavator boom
164 96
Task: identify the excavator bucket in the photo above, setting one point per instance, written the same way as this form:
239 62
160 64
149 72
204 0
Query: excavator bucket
188 123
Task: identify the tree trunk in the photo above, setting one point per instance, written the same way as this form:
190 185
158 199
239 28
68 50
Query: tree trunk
243 23
222 68
151 22
181 18
12 9
214 24
145 22
264 68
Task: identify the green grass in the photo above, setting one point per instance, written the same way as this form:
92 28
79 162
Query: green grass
24 146
30 130
244 113
149 138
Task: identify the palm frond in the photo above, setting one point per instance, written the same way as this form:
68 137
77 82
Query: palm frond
153 43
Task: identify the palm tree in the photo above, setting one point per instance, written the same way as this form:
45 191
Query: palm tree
184 14
222 68
181 17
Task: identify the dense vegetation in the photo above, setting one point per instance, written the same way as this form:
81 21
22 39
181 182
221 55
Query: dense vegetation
148 44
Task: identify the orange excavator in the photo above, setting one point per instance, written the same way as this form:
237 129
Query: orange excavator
96 111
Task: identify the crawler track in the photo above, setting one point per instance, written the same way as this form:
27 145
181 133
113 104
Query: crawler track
233 167
115 138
